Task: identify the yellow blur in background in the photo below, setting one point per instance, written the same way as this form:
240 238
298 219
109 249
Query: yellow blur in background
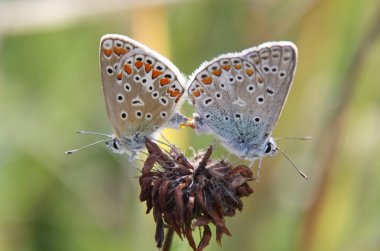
50 87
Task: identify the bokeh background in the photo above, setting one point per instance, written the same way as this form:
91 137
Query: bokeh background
50 87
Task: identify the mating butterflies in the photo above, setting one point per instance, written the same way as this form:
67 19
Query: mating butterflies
238 96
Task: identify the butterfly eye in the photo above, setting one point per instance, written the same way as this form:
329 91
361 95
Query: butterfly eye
268 148
115 145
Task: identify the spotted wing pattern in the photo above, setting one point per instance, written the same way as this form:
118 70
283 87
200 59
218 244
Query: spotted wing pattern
141 88
240 95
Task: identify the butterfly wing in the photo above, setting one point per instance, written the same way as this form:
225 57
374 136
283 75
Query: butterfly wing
141 87
276 62
238 99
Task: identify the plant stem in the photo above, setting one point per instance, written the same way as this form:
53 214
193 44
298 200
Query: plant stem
168 240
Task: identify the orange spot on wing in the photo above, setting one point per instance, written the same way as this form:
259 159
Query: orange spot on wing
174 93
156 73
226 67
202 90
164 81
107 52
249 72
237 66
217 72
127 69
196 93
119 76
118 50
207 80
139 64
148 68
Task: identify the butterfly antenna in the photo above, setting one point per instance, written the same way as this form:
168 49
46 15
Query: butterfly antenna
291 162
302 138
84 147
93 133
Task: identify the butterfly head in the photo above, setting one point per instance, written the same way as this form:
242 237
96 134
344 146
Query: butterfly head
126 145
254 151
270 148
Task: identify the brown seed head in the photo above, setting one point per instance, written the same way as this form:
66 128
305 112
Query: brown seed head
188 194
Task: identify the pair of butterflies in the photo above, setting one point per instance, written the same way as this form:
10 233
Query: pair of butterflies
237 96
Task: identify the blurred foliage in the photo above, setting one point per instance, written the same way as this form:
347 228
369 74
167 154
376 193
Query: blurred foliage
50 87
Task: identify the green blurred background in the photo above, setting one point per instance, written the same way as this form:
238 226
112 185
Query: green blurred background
50 87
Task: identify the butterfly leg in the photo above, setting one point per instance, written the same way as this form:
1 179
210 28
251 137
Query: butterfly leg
132 156
258 168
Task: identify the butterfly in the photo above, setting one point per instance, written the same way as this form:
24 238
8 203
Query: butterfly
142 92
239 97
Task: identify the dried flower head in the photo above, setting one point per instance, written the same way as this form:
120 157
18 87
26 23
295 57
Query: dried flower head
185 195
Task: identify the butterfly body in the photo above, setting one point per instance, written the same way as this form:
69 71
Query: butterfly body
239 96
